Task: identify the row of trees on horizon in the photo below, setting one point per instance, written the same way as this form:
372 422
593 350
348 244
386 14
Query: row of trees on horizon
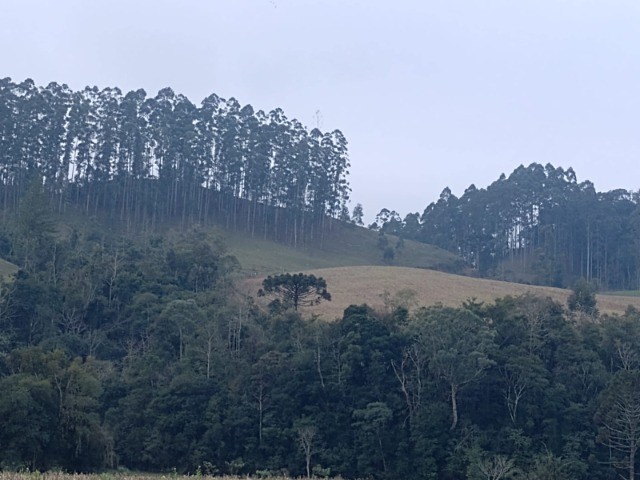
145 159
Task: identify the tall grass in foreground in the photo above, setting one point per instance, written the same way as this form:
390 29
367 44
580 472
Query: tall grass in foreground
123 476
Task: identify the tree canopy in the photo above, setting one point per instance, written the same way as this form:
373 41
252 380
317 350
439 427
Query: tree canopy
138 352
297 289
536 225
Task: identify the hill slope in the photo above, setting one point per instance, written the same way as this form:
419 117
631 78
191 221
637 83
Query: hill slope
368 284
351 261
345 245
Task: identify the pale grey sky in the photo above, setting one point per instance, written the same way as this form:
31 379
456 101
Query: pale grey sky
429 93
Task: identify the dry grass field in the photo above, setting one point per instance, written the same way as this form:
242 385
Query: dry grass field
371 284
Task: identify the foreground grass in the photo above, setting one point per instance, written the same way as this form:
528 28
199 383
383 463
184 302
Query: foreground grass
120 476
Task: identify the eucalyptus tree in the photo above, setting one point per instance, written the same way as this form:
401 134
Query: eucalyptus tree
133 158
357 215
335 167
296 200
24 149
546 224
257 175
207 145
229 160
438 221
186 177
319 177
282 144
56 103
339 171
81 134
107 108
8 152
164 149
635 245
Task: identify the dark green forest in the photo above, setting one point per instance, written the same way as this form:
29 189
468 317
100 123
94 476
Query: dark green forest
125 343
138 352
538 225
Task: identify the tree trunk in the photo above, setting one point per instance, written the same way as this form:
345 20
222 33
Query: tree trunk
454 406
384 460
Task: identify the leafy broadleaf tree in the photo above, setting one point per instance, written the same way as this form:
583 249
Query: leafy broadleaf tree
297 289
457 344
371 422
28 409
583 298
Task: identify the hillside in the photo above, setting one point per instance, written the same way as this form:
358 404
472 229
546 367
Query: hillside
350 260
368 284
345 245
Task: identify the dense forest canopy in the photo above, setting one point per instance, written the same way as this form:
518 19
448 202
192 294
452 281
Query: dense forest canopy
139 353
145 159
539 220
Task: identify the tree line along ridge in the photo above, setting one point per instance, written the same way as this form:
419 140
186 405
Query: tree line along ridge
145 159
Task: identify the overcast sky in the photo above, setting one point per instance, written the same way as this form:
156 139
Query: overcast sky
429 93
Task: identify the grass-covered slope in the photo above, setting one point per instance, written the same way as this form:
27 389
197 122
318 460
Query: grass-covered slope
342 245
345 245
372 284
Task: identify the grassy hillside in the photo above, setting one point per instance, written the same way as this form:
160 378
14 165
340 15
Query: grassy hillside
371 284
349 258
345 245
